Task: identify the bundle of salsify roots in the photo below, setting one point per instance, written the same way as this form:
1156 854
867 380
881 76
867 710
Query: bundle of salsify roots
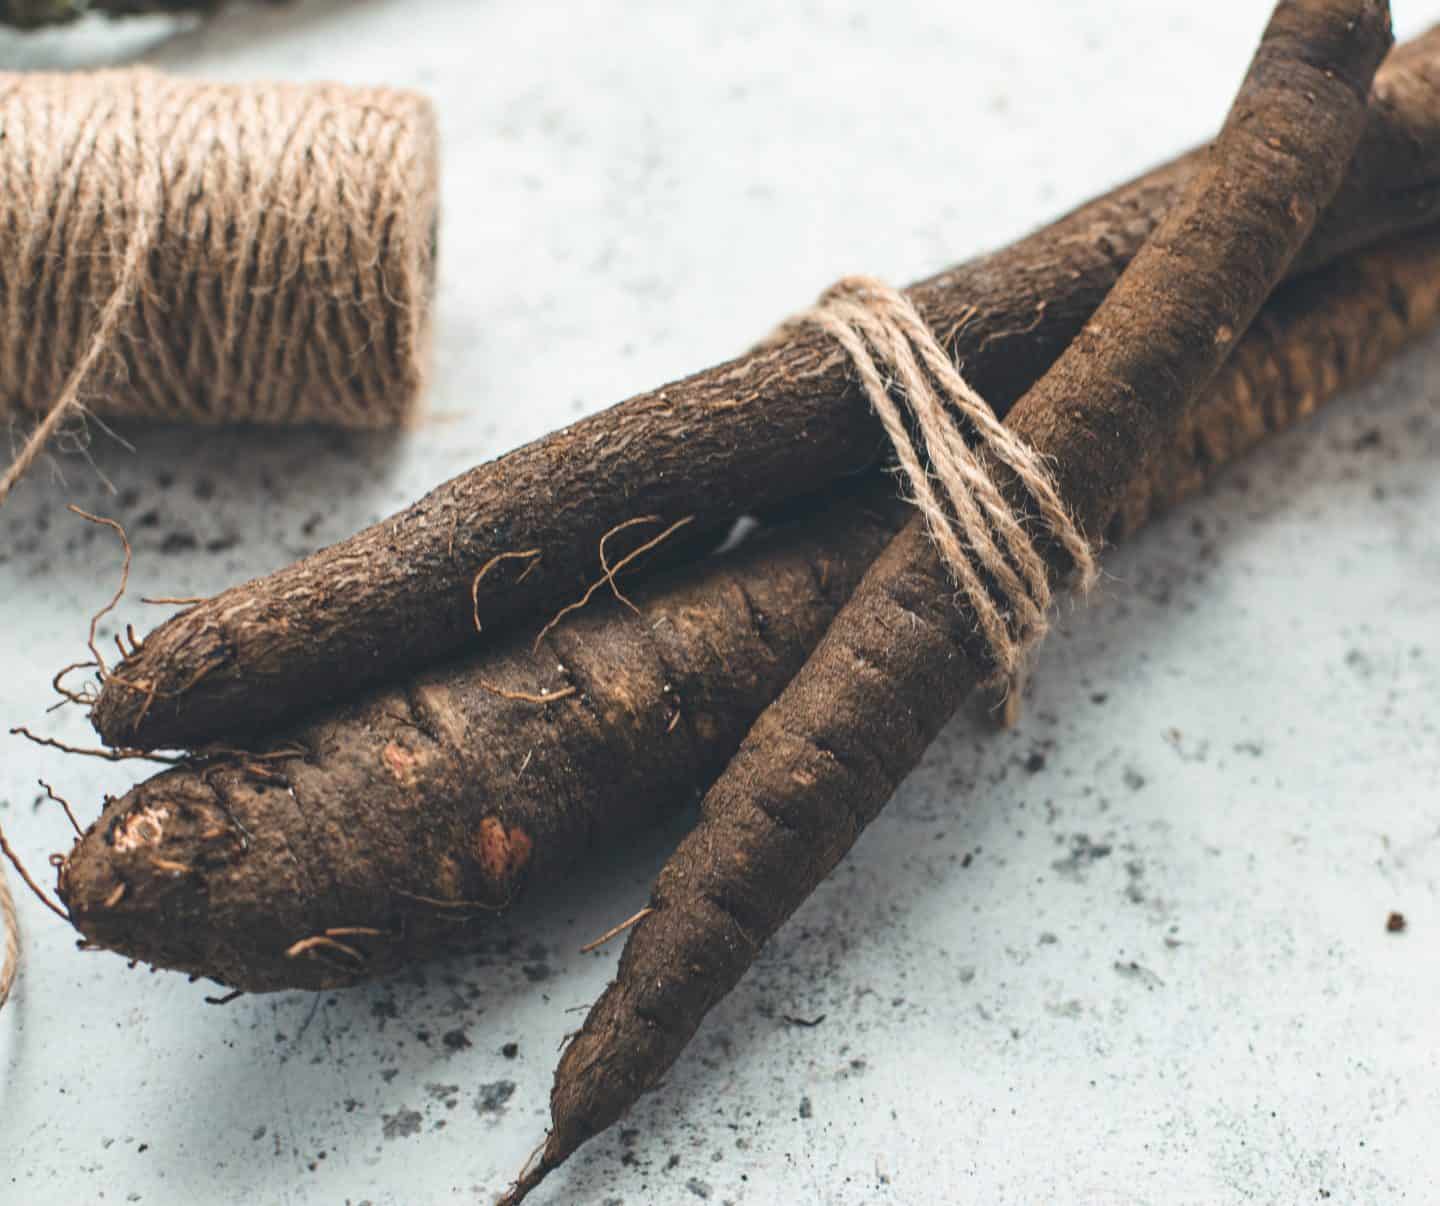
389 719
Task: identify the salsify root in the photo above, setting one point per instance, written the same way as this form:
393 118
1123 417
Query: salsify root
782 421
417 809
382 827
821 762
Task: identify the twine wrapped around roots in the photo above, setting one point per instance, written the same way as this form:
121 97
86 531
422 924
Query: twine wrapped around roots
176 249
979 538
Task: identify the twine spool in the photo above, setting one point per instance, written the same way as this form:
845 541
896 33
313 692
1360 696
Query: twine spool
182 250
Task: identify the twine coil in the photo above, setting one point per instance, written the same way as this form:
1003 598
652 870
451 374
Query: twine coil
974 530
176 249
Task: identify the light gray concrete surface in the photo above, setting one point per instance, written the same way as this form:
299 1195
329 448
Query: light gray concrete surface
1132 952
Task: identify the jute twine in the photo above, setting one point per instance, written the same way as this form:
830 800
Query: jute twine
175 249
10 925
975 531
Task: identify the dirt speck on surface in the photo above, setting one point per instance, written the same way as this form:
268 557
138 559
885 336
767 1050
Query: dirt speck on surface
1083 852
448 1094
178 542
401 1125
1396 923
1135 887
493 1097
1140 974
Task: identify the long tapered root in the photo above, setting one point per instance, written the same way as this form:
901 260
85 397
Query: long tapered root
821 762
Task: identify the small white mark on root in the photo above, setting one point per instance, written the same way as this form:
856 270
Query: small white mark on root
144 827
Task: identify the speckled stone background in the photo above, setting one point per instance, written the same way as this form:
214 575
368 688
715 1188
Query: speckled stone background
1133 952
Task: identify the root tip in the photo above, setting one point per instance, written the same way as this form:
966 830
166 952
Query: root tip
528 1180
543 1161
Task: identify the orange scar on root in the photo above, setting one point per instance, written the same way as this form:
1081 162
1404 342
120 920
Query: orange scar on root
400 762
502 853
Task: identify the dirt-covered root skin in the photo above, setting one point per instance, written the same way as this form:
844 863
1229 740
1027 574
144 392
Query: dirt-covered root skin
1314 337
388 831
901 656
397 596
142 861
1391 184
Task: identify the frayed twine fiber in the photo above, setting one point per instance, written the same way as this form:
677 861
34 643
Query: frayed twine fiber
10 924
974 530
175 249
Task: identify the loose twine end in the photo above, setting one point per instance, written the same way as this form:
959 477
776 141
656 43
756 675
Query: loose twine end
1012 705
10 921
